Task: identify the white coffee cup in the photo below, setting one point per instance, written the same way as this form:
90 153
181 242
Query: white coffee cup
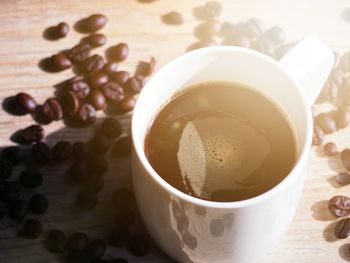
189 229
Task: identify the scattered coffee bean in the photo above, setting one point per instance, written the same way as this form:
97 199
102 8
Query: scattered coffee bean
318 136
80 52
118 53
111 128
96 248
342 228
127 104
86 200
61 61
123 199
78 171
330 149
119 260
62 151
77 257
97 99
18 210
9 191
120 76
77 241
92 64
94 22
172 18
80 151
213 9
41 153
276 35
13 154
95 40
326 123
138 245
56 241
52 109
110 67
38 204
31 134
80 88
345 158
121 147
31 178
25 102
32 229
5 169
97 164
62 29
113 91
57 32
99 144
145 69
93 185
98 79
207 30
86 115
342 117
70 103
343 178
339 206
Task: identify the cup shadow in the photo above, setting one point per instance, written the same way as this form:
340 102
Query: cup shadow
328 232
320 211
344 252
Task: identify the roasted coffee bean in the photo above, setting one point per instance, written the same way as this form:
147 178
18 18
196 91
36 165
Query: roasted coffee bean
207 30
138 245
41 153
86 200
342 117
95 40
61 61
98 79
228 29
213 9
111 128
52 109
70 103
123 199
80 151
326 123
97 99
113 91
330 149
87 115
120 76
31 134
93 185
110 67
74 79
13 154
119 236
342 228
62 151
345 158
94 22
201 44
9 191
343 178
92 64
31 178
77 241
18 210
78 171
80 52
25 102
237 40
62 29
38 204
99 144
5 169
119 260
172 18
339 206
318 136
145 69
276 35
133 85
118 53
121 147
80 88
2 212
32 229
97 164
96 248
78 257
56 241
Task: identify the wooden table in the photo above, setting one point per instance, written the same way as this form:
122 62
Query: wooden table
22 22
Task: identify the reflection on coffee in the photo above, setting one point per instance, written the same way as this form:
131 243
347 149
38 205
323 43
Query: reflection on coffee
221 141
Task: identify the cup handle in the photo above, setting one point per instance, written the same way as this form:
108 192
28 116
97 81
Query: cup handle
309 63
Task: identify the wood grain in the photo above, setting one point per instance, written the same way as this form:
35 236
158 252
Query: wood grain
22 22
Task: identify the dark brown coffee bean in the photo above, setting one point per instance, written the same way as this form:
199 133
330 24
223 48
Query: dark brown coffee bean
74 79
80 88
123 199
342 228
201 44
62 151
111 128
78 257
92 64
25 102
86 200
79 171
9 191
52 109
342 117
326 123
95 22
38 204
18 210
145 69
32 229
31 178
97 99
213 9
87 115
13 154
93 185
31 134
5 169
127 104
121 147
113 91
119 236
133 85
339 206
80 52
60 61
120 76
345 158
95 40
96 248
318 136
70 103
207 30
172 18
78 241
119 52
138 245
330 149
98 79
41 153
343 178
62 29
56 241
276 35
99 144
110 67
237 40
80 151
97 164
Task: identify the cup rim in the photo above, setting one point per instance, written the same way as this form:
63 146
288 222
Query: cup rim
139 151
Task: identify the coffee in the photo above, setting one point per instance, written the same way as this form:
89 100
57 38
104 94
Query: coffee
221 141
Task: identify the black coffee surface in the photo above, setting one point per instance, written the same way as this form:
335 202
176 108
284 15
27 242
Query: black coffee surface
221 141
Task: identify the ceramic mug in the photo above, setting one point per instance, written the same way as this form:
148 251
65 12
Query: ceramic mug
190 229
